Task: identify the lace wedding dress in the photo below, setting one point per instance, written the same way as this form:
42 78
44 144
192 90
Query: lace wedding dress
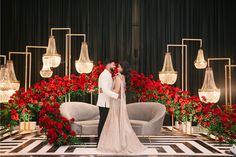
118 135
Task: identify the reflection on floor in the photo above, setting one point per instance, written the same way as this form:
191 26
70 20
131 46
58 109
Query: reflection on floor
169 143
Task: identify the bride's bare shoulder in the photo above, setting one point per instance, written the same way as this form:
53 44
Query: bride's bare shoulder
119 77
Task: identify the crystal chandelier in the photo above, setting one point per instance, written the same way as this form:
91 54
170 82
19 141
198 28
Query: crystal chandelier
4 78
200 62
83 64
168 75
209 89
51 54
46 72
14 83
5 86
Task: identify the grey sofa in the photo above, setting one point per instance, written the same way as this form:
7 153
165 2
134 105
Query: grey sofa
146 117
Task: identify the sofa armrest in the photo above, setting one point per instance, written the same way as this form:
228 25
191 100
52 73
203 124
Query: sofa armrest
153 127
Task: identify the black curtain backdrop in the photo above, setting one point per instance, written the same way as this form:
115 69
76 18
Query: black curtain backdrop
133 30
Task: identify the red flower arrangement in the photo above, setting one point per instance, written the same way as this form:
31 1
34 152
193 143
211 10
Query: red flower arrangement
44 99
219 121
56 127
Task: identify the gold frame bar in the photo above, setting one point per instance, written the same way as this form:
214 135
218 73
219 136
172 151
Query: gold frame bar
186 68
66 57
26 50
226 82
26 65
230 98
192 39
184 83
68 38
4 58
68 48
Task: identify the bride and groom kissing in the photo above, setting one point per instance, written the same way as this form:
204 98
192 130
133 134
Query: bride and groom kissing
115 133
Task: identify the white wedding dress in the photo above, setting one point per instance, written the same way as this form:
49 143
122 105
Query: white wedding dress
118 135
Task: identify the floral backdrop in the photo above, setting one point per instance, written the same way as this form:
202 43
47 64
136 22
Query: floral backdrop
42 101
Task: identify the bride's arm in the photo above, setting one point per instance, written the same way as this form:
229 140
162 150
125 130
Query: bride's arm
117 84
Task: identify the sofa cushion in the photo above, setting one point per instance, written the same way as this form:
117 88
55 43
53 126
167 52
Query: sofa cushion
138 122
87 122
89 129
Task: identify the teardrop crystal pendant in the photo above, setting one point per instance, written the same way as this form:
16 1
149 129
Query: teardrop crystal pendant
168 75
209 92
46 72
200 62
83 64
15 84
51 54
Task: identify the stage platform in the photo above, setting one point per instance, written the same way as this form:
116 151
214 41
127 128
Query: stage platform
169 143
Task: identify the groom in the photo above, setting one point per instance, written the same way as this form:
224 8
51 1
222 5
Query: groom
105 93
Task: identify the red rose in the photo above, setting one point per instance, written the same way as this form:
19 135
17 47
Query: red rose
183 111
72 119
199 108
14 115
72 133
65 136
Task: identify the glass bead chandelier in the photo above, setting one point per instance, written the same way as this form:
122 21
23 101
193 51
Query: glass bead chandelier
83 64
5 85
46 71
168 75
209 89
14 83
200 62
51 54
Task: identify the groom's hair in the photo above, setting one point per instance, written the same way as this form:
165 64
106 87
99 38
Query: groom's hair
107 61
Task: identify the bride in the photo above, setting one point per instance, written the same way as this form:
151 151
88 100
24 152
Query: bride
117 135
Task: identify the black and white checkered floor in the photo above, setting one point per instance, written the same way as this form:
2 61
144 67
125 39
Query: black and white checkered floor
169 143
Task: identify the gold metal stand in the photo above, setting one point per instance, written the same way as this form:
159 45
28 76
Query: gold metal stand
68 47
26 50
68 30
192 39
184 71
230 98
226 82
4 58
26 65
184 85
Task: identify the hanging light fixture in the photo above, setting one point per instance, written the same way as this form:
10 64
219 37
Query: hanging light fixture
83 64
168 75
51 54
200 62
4 78
14 83
46 72
209 89
5 86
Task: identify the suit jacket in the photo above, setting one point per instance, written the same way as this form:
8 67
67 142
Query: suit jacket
105 83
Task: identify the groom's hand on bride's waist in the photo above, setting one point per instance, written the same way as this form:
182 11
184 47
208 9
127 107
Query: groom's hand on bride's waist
100 91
